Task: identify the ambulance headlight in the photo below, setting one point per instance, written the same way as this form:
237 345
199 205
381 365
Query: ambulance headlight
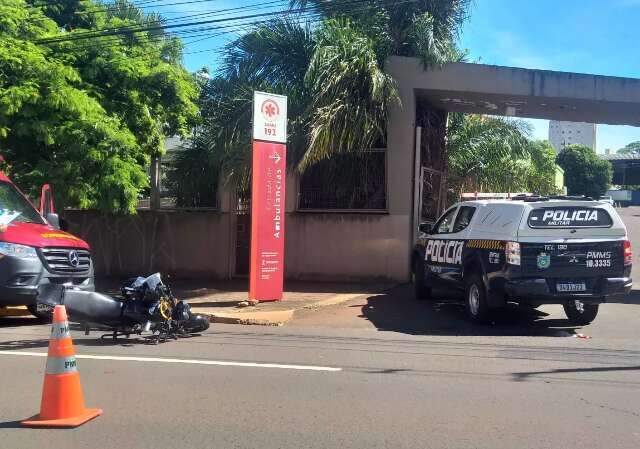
15 250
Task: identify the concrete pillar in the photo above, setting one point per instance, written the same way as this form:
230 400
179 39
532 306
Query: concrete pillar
401 157
400 167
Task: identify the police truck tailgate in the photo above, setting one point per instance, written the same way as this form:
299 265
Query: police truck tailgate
570 260
572 245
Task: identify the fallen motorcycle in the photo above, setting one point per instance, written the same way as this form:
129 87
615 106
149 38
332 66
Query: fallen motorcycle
145 305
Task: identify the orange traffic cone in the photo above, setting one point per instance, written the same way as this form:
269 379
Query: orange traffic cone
62 402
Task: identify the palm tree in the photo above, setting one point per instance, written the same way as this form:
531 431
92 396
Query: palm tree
487 153
350 93
424 28
339 94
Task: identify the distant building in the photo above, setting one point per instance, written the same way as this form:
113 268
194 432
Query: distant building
562 134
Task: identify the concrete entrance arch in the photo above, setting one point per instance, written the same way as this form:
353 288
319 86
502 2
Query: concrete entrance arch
428 95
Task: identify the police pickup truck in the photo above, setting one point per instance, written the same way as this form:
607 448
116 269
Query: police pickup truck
530 250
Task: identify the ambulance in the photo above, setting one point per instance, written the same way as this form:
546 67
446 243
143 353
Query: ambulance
34 251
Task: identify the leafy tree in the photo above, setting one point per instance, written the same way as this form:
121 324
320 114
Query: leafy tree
51 128
631 148
193 177
584 172
542 174
86 114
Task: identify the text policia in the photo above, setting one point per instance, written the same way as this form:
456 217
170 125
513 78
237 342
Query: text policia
566 216
444 251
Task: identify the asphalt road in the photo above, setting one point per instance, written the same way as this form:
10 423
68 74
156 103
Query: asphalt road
379 372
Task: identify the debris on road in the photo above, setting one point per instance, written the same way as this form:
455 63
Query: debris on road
586 337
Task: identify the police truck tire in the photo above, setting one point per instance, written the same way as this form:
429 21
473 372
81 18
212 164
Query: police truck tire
422 291
584 317
475 302
45 317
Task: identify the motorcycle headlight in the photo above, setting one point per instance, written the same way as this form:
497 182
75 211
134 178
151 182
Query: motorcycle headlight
15 250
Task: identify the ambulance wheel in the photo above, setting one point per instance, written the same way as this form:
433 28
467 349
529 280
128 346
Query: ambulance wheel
422 291
476 299
45 317
581 317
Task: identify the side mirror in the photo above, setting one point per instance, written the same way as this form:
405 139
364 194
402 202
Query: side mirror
426 228
53 219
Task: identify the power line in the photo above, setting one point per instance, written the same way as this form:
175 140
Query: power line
134 27
128 29
112 32
114 41
236 20
206 28
101 6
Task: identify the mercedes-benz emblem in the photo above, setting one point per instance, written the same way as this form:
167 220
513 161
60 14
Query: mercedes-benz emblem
74 260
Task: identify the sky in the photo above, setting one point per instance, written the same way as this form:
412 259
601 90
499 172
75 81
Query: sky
586 36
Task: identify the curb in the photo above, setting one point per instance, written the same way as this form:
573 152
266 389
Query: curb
244 321
334 300
277 317
258 318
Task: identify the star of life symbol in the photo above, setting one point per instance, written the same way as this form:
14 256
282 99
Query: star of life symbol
270 110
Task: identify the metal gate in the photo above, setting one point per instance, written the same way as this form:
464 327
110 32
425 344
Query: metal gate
243 233
432 195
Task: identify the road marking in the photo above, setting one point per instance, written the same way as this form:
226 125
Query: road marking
183 361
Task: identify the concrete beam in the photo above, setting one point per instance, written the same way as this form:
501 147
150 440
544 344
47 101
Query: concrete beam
485 89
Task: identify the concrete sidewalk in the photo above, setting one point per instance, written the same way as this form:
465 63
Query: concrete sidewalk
227 301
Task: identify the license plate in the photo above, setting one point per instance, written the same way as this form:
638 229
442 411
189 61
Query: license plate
43 308
571 286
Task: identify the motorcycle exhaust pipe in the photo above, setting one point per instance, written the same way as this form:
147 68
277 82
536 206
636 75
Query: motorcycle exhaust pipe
82 306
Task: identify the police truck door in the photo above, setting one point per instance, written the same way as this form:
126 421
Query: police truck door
443 253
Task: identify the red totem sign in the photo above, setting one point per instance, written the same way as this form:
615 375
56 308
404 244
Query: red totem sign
268 197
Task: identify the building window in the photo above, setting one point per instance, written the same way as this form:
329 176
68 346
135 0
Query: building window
355 181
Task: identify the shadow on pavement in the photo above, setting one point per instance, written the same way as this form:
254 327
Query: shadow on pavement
397 310
632 298
93 340
14 321
519 377
10 425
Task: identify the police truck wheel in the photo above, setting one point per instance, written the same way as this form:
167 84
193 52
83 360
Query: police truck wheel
422 291
45 317
476 299
581 316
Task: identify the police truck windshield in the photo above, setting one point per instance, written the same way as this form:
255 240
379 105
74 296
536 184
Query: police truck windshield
569 217
11 201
